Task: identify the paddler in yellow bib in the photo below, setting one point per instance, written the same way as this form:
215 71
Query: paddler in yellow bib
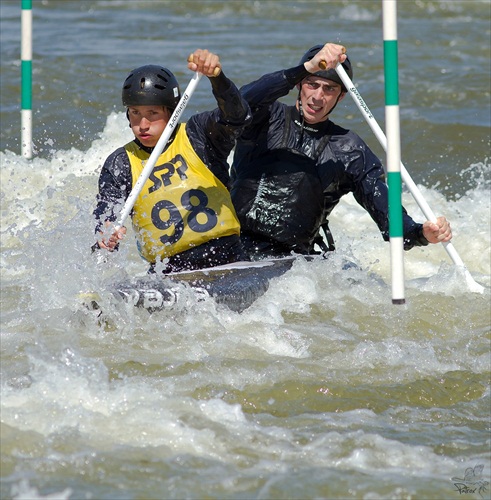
183 217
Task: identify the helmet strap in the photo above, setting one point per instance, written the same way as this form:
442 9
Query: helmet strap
302 117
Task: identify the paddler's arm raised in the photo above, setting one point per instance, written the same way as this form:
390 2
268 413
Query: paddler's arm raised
233 109
262 93
213 133
269 88
205 62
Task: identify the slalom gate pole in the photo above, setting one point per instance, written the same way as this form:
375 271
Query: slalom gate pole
26 78
392 126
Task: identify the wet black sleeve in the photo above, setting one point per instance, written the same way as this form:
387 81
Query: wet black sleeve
213 133
114 187
371 192
269 88
373 195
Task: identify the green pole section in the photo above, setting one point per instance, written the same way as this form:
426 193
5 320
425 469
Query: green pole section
391 63
395 207
26 90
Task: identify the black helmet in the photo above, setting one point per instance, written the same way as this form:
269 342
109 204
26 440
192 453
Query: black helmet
149 86
330 74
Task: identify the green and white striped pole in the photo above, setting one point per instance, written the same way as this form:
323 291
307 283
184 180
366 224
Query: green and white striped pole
392 127
26 78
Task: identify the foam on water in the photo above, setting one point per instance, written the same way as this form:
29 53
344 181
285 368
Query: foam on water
52 209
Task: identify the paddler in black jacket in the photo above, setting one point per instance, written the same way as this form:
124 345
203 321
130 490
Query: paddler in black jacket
184 217
292 164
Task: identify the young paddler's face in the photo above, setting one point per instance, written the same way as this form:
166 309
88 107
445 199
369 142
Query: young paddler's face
148 123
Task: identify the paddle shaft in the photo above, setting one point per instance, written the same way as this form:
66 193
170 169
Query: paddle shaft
423 205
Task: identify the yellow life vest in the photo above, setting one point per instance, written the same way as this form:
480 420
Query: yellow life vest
182 204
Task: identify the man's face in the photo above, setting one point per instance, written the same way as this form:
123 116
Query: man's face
318 96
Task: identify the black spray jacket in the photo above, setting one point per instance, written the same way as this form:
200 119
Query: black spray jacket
287 176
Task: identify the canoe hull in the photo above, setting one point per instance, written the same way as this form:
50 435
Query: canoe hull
236 285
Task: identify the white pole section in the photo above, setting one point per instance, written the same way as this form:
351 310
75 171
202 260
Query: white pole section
26 78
